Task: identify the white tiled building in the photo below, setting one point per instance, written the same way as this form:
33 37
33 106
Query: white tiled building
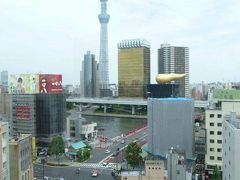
4 151
231 147
214 137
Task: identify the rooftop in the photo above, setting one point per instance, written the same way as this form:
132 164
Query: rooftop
78 145
133 43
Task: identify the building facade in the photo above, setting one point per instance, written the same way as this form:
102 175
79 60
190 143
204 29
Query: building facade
176 165
89 73
78 128
20 151
24 114
42 115
231 147
103 54
214 128
133 68
172 59
170 124
154 170
50 116
4 151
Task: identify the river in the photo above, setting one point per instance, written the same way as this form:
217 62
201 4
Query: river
115 126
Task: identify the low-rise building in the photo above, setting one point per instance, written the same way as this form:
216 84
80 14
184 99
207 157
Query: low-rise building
154 170
4 151
20 153
79 128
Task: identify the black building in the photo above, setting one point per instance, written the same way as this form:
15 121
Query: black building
162 90
50 116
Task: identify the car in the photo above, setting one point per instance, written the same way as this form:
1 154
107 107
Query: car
123 141
104 163
95 173
107 151
58 178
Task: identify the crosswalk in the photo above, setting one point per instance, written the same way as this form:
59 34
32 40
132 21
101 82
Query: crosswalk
91 165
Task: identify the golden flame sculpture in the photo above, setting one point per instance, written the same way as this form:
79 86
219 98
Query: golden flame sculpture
165 78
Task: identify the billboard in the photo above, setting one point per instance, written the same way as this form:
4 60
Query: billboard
24 84
50 83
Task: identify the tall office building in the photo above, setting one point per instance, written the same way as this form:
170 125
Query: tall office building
20 151
103 56
133 67
214 130
89 76
173 59
170 124
231 147
4 151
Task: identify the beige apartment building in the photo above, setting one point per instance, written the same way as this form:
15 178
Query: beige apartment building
4 157
20 152
154 170
214 131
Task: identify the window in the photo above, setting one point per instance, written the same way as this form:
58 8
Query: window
219 124
211 149
219 141
219 150
211 115
229 134
211 132
211 140
211 124
219 133
229 148
219 158
211 157
219 116
229 162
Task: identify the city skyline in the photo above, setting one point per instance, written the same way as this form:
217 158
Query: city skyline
34 33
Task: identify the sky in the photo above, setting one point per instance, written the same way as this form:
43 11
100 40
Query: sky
52 36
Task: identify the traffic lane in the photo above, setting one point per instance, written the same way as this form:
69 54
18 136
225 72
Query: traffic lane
69 173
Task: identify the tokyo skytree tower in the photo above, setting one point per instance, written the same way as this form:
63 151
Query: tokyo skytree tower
103 56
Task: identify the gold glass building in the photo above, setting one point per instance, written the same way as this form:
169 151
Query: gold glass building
133 67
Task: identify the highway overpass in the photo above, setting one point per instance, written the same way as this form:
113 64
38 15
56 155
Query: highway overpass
121 101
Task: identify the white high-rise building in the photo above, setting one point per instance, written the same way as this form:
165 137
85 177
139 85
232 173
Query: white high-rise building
103 56
214 129
4 151
231 147
172 59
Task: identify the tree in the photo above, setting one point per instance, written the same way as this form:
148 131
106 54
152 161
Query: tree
216 174
133 154
83 155
56 147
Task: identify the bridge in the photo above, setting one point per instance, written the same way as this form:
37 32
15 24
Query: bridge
122 101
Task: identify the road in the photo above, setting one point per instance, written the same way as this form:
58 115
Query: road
98 155
69 173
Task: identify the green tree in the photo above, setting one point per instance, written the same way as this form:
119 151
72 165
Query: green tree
70 105
79 155
133 154
56 147
83 155
216 174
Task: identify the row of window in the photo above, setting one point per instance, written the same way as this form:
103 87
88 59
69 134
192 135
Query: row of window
218 133
218 158
218 124
218 149
218 141
218 115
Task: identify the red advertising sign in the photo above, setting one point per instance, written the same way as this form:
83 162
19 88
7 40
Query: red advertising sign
23 112
50 83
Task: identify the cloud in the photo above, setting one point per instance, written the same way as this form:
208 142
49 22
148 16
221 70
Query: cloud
52 36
